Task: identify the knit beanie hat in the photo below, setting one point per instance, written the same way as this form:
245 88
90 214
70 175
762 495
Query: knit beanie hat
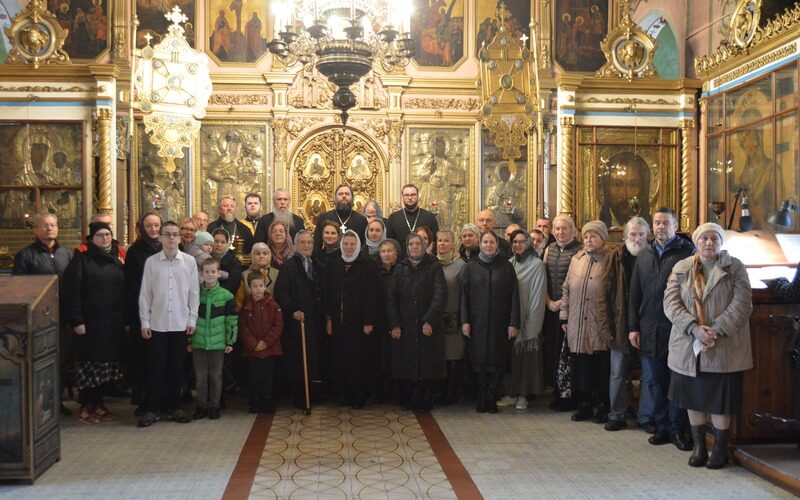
97 226
598 227
704 228
472 228
203 237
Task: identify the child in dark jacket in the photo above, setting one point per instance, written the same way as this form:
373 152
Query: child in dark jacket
260 329
214 337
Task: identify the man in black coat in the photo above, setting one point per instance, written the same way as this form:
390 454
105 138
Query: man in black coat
649 327
298 290
344 215
227 219
404 222
46 256
280 212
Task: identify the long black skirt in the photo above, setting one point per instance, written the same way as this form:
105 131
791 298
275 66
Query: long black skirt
714 393
590 372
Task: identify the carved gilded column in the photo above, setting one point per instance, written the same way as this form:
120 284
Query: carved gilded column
686 174
281 141
104 196
567 165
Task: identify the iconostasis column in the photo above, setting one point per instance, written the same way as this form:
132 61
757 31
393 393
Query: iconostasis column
687 215
567 169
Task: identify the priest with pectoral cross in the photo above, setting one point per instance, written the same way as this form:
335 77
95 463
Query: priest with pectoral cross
343 215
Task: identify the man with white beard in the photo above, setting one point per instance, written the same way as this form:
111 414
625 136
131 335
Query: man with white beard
227 220
634 237
281 213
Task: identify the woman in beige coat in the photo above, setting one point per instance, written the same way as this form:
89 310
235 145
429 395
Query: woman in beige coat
587 304
708 300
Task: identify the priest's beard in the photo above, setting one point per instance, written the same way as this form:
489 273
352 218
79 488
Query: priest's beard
284 215
633 248
228 217
344 206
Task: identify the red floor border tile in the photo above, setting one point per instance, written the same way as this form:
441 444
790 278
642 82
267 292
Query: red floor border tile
243 475
458 476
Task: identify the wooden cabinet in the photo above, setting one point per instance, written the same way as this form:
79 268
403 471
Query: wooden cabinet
770 386
29 387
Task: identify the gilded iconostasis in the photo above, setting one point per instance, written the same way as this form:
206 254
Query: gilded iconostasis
608 109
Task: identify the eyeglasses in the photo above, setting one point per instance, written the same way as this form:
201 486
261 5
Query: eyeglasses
170 235
518 242
188 229
409 195
103 235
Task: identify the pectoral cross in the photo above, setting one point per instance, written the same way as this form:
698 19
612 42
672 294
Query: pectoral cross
342 228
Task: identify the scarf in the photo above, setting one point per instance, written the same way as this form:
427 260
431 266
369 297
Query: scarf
372 246
486 258
154 245
699 287
349 260
447 258
285 251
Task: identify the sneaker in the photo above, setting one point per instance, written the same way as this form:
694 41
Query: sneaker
506 401
522 403
148 419
103 414
180 416
87 415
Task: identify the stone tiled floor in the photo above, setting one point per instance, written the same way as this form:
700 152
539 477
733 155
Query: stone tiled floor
541 454
378 453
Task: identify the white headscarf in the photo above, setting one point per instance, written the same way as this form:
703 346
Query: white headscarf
358 246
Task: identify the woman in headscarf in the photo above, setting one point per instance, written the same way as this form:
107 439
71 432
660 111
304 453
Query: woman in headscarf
260 259
526 358
331 237
489 317
428 242
375 235
94 286
587 315
352 290
453 340
388 255
147 243
280 244
709 300
299 293
416 303
228 262
470 242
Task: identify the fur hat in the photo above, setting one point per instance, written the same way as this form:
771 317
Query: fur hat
598 227
704 228
203 237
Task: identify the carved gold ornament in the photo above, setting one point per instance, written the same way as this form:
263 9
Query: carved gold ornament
36 37
172 88
629 51
506 91
744 22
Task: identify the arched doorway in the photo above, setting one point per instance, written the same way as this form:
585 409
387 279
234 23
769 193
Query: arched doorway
331 156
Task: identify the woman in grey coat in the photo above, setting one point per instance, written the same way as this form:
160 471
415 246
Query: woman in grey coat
709 301
454 341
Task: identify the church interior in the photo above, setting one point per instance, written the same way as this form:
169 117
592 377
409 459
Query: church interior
599 109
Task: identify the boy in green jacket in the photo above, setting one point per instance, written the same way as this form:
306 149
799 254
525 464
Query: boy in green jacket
217 324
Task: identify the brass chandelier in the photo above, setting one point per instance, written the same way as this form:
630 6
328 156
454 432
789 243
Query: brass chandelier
337 38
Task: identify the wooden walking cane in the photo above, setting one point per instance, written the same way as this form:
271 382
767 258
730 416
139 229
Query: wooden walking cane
307 410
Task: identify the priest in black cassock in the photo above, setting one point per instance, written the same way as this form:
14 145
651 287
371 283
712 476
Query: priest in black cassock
343 215
404 222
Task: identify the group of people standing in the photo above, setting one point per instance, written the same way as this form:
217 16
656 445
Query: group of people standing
396 309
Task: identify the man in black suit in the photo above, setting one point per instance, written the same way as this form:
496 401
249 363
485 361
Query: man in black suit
344 216
280 212
404 222
227 219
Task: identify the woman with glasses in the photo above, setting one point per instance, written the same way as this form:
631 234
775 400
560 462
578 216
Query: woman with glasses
188 233
94 289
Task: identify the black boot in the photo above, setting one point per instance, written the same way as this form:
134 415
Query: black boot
584 412
699 452
483 384
719 456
